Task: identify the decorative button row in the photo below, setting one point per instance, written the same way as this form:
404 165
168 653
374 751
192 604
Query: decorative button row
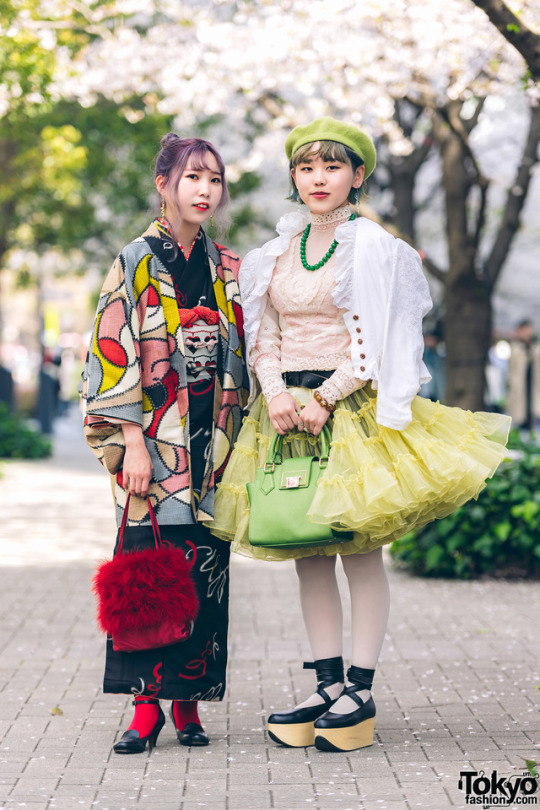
362 356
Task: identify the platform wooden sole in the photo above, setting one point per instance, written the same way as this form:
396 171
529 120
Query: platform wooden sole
347 738
294 735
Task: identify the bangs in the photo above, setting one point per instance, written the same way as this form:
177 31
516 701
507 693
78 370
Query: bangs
326 150
197 160
195 156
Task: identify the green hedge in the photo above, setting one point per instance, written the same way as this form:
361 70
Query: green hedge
497 535
17 440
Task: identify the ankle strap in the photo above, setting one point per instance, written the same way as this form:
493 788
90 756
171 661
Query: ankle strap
362 678
329 670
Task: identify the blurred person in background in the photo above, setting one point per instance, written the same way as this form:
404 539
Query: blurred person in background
497 374
434 360
48 390
523 400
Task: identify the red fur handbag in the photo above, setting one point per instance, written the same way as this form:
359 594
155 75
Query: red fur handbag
147 597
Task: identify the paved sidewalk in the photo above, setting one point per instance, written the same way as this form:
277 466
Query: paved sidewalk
456 689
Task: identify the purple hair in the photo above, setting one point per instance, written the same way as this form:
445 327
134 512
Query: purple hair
176 152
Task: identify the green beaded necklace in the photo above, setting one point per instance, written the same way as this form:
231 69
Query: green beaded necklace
326 256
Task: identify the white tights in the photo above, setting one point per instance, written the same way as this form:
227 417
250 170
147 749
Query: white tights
323 614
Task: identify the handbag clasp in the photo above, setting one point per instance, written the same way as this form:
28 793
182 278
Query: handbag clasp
293 481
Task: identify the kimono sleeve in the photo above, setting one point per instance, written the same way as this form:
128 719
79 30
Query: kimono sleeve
111 381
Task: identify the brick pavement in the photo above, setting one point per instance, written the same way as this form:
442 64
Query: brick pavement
456 688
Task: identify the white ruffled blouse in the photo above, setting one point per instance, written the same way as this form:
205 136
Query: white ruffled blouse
361 313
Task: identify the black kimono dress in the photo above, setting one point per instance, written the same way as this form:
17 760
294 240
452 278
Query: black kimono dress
194 669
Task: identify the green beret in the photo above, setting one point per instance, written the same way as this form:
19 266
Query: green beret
329 129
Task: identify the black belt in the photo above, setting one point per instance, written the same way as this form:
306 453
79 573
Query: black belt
306 379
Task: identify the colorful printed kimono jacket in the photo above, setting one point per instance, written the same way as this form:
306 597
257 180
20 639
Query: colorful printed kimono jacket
136 372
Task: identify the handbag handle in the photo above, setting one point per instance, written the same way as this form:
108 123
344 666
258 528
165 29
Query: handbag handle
153 521
275 452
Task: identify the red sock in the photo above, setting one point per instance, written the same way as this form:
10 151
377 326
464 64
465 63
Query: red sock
145 717
185 711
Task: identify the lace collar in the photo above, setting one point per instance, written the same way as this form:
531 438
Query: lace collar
321 222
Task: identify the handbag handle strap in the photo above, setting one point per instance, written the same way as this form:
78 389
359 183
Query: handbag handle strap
153 521
275 452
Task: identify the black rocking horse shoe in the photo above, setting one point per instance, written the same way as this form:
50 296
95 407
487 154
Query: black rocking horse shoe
295 728
131 741
347 732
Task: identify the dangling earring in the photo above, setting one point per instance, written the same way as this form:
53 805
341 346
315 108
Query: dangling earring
211 220
163 208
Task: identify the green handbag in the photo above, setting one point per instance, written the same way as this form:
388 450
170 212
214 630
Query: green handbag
281 496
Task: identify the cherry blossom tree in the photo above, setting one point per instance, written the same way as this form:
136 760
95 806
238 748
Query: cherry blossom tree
74 178
516 31
419 76
57 153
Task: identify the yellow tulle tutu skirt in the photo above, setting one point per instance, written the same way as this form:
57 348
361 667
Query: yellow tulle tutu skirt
379 482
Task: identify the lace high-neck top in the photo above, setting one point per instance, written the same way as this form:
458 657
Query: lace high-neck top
302 329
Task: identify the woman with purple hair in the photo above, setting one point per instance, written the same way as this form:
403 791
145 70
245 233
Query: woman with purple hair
163 389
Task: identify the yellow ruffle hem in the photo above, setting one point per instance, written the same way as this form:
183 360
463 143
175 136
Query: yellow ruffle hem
381 483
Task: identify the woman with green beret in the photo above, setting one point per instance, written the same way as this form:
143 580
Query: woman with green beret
333 310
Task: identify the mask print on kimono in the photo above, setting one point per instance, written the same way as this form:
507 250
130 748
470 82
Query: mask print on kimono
201 368
200 340
197 339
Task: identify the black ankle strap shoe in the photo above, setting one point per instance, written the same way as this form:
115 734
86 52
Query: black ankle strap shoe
295 727
350 730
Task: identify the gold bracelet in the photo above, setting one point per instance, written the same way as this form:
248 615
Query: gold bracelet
324 403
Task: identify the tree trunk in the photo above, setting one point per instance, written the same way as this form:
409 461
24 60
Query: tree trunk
468 313
403 178
468 321
8 153
403 170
